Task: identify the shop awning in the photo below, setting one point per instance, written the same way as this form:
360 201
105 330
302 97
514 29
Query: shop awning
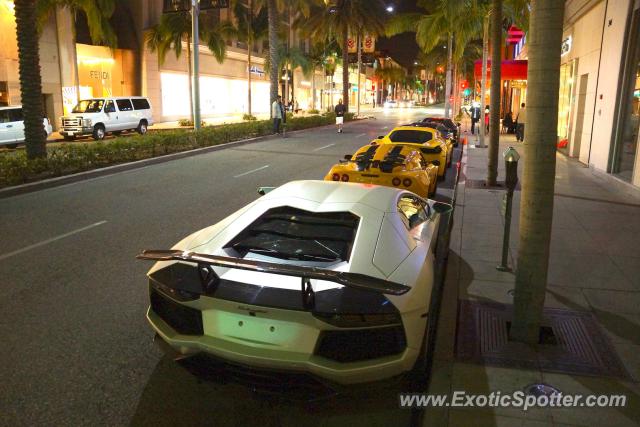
509 70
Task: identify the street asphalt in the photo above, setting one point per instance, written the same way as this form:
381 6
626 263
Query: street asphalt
77 347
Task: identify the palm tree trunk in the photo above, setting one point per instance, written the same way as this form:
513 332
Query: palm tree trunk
249 47
274 74
30 78
536 206
447 94
190 75
345 67
483 85
494 109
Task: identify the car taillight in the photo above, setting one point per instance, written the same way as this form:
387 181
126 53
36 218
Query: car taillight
335 177
406 182
396 181
345 178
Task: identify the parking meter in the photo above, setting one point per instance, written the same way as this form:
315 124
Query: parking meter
511 157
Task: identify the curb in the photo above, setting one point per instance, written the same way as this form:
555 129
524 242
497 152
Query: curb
138 164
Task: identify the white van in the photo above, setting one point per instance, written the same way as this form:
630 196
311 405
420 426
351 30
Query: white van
98 116
12 126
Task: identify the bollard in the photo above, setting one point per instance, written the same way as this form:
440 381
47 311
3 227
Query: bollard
511 158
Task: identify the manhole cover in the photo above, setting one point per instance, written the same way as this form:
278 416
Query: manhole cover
538 390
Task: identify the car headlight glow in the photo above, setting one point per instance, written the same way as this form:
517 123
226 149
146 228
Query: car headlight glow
86 122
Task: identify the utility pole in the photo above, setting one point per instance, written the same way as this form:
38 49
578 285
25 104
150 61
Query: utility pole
359 71
195 13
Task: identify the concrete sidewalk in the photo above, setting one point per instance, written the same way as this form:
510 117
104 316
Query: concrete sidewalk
594 266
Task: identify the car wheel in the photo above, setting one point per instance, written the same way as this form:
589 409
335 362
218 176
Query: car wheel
142 127
99 133
69 137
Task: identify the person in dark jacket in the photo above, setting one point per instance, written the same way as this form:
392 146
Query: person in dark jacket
340 110
475 118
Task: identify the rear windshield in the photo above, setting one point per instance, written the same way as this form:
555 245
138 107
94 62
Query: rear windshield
294 234
89 106
411 136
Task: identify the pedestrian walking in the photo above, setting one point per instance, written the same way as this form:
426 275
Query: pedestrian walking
475 118
340 110
486 118
521 120
278 114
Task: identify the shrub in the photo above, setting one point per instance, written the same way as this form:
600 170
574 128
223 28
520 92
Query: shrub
189 123
67 159
249 117
313 111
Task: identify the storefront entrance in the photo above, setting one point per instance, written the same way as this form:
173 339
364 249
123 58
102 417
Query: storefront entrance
625 161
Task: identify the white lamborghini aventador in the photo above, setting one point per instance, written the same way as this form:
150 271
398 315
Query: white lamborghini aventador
325 278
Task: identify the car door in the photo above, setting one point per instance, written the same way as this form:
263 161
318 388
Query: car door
126 117
6 128
17 122
110 119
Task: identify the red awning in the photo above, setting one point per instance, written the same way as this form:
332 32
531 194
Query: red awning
509 70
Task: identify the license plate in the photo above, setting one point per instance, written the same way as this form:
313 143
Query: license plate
70 133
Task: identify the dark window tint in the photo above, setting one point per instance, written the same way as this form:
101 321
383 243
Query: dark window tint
4 116
294 234
124 105
411 136
140 104
110 107
15 115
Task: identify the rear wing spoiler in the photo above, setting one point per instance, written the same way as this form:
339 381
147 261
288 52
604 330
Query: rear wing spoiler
209 277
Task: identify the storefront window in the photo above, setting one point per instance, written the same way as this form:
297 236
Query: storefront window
565 100
625 160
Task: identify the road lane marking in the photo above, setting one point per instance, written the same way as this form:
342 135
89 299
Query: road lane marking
252 171
53 239
362 134
326 146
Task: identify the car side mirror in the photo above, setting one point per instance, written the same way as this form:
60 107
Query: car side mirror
347 156
380 137
264 190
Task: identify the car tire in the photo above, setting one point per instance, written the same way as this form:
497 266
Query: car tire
69 137
142 127
99 132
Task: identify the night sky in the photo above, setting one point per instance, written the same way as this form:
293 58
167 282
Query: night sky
402 48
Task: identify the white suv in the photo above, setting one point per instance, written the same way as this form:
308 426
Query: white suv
98 116
12 126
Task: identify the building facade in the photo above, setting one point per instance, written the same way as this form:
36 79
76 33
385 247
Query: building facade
599 111
73 68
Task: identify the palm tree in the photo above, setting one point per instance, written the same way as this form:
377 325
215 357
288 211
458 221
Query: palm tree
175 28
30 79
251 27
317 58
274 8
291 58
355 17
536 206
494 110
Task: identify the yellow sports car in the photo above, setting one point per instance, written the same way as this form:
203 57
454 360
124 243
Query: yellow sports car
400 166
434 148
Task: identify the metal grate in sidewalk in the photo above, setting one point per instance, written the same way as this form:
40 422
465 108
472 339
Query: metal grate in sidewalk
573 341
